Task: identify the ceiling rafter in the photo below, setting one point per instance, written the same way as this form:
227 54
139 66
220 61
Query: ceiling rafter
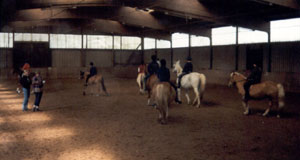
195 9
294 4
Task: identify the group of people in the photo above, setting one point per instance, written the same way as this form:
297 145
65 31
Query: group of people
154 67
36 82
163 74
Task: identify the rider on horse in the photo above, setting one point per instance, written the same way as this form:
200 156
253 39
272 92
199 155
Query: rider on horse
188 68
93 71
163 75
253 78
152 69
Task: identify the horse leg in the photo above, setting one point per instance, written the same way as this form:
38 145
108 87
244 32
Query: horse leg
164 115
197 97
246 106
280 104
84 90
97 88
149 98
139 82
268 109
179 94
103 86
188 98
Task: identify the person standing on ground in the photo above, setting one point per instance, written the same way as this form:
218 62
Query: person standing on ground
26 83
37 84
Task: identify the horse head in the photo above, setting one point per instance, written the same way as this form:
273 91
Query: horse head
81 75
236 77
177 68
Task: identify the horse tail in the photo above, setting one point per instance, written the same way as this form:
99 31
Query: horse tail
161 100
281 95
201 86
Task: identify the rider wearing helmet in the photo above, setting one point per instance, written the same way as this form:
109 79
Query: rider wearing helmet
188 68
163 75
93 71
152 69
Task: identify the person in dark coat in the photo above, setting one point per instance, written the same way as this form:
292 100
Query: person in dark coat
253 78
152 69
163 75
26 83
188 68
93 71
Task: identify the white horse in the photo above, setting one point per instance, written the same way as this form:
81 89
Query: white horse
193 80
140 78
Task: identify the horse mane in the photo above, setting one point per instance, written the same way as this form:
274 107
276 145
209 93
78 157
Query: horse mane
239 74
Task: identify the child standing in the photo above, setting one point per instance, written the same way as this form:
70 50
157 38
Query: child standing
37 83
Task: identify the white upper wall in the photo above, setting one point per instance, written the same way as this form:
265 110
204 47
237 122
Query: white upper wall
281 30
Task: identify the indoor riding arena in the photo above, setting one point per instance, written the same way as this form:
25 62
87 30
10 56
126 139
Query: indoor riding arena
50 50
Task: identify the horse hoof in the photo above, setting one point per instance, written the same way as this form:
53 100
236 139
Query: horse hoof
246 113
163 122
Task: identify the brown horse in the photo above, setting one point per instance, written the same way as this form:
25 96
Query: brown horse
151 81
274 92
94 80
162 94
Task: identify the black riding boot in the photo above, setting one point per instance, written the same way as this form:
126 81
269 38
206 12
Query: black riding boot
247 95
176 98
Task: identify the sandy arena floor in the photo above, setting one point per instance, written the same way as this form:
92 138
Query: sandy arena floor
122 127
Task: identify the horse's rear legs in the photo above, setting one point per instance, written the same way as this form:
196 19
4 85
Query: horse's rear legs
246 106
197 97
268 109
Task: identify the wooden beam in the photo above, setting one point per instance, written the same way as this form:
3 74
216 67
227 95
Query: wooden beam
196 10
125 15
88 26
285 3
66 3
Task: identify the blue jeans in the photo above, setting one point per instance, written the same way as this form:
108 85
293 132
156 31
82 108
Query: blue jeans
38 97
26 92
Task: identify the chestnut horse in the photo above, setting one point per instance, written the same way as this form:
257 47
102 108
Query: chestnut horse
151 81
94 80
274 92
162 94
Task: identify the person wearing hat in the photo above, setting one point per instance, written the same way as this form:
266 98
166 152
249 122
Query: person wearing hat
163 75
152 69
188 68
93 71
26 66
